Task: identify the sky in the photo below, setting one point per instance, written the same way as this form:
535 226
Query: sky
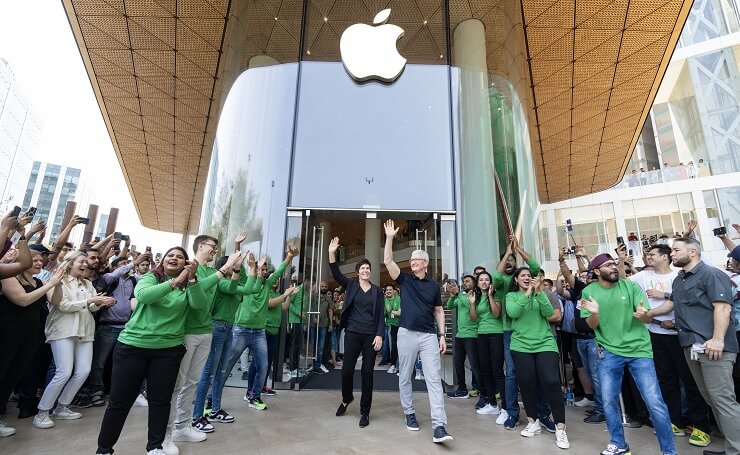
37 42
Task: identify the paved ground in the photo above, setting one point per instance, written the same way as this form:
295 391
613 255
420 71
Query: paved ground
304 423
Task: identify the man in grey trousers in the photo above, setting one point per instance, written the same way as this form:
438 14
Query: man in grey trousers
421 304
702 296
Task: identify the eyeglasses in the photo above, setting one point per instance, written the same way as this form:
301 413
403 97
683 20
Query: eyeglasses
608 264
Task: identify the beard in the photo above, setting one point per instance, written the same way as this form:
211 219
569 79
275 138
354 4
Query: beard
680 262
611 277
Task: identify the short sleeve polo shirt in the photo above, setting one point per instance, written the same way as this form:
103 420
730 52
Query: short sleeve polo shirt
419 296
694 292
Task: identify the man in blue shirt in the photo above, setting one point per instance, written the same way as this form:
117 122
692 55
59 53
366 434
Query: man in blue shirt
421 305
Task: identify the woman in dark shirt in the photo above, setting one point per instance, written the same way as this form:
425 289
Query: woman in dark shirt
364 323
21 304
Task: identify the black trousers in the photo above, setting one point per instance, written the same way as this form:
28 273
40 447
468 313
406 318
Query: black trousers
672 370
19 341
394 345
354 344
542 368
491 366
131 365
296 341
465 347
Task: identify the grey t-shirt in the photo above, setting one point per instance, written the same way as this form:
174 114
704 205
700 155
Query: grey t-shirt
693 295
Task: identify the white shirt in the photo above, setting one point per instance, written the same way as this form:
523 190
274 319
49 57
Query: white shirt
648 279
72 317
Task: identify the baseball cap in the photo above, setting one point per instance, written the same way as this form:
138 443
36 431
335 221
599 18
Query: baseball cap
39 248
420 254
600 259
735 253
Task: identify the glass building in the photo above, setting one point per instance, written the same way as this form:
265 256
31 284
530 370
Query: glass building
687 162
49 188
241 115
20 131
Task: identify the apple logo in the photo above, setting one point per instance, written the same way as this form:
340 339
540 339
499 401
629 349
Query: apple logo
369 52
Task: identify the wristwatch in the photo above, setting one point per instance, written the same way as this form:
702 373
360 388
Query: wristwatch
440 335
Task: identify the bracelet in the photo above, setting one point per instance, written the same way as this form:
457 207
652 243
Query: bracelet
221 271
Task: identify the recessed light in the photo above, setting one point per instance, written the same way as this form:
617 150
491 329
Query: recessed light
276 18
425 22
326 19
308 52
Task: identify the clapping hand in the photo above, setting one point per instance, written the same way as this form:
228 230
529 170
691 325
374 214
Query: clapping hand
590 305
642 313
57 276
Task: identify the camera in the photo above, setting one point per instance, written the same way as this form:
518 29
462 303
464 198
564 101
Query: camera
722 230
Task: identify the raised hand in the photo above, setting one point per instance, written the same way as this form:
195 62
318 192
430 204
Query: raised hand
9 222
251 261
190 269
453 289
231 262
690 226
291 249
471 297
334 245
24 220
590 305
240 237
580 250
737 231
57 276
622 251
38 227
390 228
262 261
536 284
240 261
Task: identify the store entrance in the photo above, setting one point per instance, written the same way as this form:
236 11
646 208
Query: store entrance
313 345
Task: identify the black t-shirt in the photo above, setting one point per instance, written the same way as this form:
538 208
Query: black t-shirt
9 311
360 317
418 299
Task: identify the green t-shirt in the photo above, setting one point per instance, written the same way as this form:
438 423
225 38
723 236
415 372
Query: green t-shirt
619 332
465 327
392 304
225 305
295 311
501 283
274 315
199 322
158 321
253 315
487 322
530 331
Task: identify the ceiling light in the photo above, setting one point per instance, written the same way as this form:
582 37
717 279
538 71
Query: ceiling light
326 18
308 52
275 17
425 22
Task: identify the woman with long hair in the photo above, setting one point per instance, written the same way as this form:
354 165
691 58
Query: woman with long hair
363 318
487 312
151 348
21 303
70 331
535 352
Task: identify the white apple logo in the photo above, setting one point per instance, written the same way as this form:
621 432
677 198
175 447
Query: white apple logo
369 52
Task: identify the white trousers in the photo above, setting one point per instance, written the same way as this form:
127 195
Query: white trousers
73 359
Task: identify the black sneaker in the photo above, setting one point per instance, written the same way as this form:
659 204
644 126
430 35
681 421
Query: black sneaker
268 391
595 418
342 408
482 402
441 435
547 422
97 401
458 394
411 423
364 420
203 425
82 402
221 417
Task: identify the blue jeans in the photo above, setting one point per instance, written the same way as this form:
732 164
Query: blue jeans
241 339
272 345
320 348
385 351
106 337
589 353
218 357
511 387
611 371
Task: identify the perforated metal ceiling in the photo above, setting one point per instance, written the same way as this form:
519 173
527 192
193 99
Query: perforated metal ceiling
161 69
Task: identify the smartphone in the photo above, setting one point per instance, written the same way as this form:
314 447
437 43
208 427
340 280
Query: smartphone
125 238
148 249
720 230
632 253
84 220
16 211
568 225
117 236
96 240
620 240
31 212
158 257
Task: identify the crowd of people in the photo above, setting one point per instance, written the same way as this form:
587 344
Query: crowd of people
667 173
656 344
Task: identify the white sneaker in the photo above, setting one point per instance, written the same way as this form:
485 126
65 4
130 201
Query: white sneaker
141 401
532 428
488 410
392 369
169 447
42 420
188 434
585 402
64 413
324 369
419 376
501 419
5 430
561 439
156 452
